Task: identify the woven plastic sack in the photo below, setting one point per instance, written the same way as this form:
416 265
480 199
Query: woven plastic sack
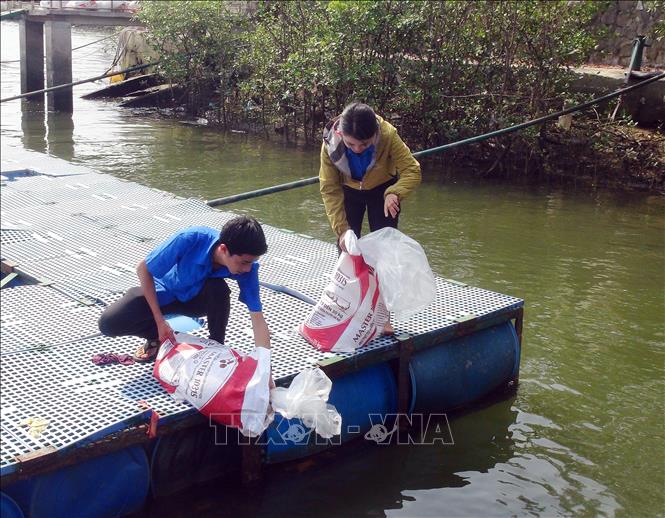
405 277
350 311
230 388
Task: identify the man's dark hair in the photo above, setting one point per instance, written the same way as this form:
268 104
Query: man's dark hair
243 235
359 121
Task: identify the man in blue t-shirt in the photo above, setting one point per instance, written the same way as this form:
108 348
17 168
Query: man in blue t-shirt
185 275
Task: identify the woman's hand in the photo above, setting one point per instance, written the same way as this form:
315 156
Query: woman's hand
391 205
340 242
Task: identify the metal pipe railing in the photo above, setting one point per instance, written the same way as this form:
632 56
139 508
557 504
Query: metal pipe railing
262 192
82 81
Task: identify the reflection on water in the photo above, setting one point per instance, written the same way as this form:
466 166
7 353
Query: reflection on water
47 132
585 433
490 470
33 126
60 134
368 479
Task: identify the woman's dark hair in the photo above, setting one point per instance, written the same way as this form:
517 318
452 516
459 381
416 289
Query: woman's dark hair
359 121
243 235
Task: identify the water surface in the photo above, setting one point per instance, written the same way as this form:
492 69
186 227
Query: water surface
584 435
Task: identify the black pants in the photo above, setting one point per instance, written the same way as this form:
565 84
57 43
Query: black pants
356 202
131 315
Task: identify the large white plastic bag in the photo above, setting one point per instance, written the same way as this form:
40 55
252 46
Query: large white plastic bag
405 277
306 399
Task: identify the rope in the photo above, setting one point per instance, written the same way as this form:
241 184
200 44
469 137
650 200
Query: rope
478 138
69 85
75 48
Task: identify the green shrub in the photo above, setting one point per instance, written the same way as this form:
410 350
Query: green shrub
197 42
440 71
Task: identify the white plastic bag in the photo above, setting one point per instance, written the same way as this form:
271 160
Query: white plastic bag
405 277
306 399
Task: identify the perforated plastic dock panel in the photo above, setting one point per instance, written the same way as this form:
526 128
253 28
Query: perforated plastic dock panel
82 235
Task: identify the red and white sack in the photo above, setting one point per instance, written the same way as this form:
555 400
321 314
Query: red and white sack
351 311
230 388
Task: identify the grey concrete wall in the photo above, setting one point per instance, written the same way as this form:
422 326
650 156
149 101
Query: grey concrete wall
58 39
31 44
623 21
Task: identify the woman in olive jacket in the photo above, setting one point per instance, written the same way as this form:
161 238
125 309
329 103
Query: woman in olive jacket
365 166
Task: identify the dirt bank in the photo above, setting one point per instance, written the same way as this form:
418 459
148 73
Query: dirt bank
605 153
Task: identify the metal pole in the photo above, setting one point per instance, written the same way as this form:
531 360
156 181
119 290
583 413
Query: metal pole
636 56
289 291
261 192
69 85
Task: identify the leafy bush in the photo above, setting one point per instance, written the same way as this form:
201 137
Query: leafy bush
439 70
197 42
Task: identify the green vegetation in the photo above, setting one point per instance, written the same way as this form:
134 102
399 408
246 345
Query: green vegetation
657 7
198 44
440 71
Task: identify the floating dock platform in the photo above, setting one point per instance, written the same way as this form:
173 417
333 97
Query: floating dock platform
71 239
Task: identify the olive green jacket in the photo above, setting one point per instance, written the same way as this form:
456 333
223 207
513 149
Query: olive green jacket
391 158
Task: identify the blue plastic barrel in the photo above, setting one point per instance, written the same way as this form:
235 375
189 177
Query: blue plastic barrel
193 456
112 485
9 508
182 323
463 370
360 398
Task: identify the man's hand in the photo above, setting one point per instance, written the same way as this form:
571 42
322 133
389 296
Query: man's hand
260 330
164 331
391 205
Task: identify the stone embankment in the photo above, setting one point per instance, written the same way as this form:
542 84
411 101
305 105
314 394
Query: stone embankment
623 21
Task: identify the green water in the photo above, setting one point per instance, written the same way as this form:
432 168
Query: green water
584 434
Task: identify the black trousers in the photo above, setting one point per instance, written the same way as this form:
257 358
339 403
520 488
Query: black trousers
356 202
131 315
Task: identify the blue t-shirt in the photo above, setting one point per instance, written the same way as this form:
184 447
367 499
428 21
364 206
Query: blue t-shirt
358 162
182 263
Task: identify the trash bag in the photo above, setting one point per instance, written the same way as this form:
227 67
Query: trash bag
306 399
230 388
405 277
350 312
